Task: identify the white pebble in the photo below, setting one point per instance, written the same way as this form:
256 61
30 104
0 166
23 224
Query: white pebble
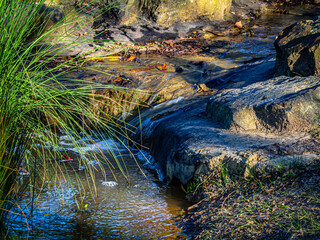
110 183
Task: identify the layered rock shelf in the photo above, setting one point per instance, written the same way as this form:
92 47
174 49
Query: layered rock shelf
247 129
279 105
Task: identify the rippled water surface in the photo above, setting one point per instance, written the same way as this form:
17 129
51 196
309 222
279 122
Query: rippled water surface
141 207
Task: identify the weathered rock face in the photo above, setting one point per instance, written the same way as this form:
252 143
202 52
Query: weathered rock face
187 146
193 138
180 11
168 12
280 105
298 49
133 84
248 8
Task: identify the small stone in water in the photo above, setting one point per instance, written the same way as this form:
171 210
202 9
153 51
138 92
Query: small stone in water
81 168
23 172
110 183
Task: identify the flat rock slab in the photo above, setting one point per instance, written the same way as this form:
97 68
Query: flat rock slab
279 105
186 144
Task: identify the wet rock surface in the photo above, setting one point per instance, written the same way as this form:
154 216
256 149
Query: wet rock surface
248 9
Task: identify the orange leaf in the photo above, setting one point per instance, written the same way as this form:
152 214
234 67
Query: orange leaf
117 80
238 24
269 190
131 58
163 67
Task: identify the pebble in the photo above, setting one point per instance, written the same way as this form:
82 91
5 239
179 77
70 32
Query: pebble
110 183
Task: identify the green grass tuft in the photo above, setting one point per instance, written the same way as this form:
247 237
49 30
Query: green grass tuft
36 105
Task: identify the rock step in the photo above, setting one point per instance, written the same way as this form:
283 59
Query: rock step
279 105
186 144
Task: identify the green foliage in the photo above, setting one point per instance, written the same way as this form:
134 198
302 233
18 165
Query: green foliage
191 186
222 180
36 104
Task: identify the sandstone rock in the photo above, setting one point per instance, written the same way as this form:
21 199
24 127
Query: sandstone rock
278 105
248 9
167 12
142 88
298 49
51 14
181 11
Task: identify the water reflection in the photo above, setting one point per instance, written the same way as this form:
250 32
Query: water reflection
141 209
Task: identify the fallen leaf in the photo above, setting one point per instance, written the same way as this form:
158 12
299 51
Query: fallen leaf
269 190
66 159
131 58
239 24
109 58
262 219
117 80
163 67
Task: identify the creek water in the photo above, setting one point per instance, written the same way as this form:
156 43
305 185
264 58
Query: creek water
139 206
143 207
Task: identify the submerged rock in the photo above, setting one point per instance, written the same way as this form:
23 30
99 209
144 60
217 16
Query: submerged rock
298 49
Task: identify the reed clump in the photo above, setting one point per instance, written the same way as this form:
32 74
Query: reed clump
37 105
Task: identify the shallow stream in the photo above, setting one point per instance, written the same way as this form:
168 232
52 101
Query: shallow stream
140 207
144 207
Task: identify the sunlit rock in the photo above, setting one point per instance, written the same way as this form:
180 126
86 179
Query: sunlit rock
280 105
298 49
